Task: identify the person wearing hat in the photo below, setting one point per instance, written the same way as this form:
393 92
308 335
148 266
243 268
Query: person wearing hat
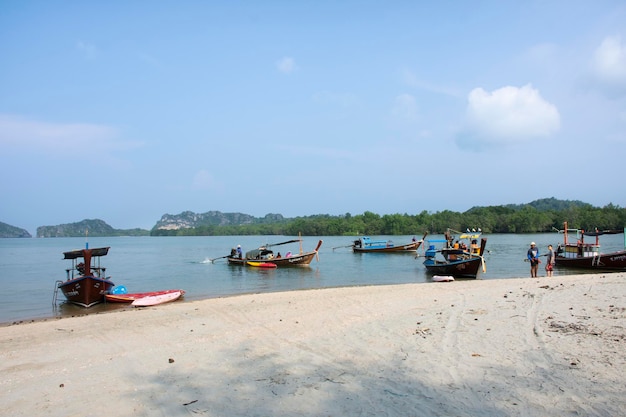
239 252
533 257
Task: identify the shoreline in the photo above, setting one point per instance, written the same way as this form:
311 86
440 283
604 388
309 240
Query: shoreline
109 308
514 346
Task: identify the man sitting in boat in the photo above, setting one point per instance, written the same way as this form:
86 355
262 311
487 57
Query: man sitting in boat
475 248
453 256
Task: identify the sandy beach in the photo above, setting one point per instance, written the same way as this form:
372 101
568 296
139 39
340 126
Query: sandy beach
511 347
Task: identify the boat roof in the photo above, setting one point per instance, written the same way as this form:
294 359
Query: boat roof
368 240
470 235
80 253
258 252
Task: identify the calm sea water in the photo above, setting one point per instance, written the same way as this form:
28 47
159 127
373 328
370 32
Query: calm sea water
30 267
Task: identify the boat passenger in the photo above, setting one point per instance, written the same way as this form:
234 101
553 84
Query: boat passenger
475 249
239 252
453 256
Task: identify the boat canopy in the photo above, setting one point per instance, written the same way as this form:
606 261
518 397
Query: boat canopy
470 236
80 253
258 253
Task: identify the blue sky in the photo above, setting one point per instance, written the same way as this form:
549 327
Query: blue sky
125 111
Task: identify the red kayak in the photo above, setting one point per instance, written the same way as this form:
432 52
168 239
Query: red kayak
129 298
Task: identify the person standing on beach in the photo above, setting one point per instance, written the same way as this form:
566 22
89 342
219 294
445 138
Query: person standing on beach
550 261
533 257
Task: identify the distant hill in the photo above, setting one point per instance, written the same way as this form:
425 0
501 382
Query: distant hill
189 220
92 227
6 230
213 221
546 204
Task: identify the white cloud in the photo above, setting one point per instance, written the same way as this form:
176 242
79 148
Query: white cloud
203 180
510 115
21 133
609 66
286 65
404 109
411 79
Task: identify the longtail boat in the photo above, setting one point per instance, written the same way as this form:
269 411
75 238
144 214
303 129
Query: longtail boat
458 259
366 245
265 254
86 282
585 255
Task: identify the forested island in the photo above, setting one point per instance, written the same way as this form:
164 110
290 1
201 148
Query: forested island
543 215
91 227
6 230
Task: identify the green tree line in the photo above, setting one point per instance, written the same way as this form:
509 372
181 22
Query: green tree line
540 216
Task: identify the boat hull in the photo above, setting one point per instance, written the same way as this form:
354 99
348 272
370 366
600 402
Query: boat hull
153 300
85 291
466 268
407 248
443 278
615 261
129 298
294 260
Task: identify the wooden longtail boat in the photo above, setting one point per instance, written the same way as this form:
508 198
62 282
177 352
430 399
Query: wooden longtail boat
264 254
86 283
367 245
458 260
584 255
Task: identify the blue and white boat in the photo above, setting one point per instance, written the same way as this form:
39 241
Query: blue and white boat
456 258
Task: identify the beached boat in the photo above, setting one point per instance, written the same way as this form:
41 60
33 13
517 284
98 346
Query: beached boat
367 245
458 259
86 283
265 254
585 255
130 297
442 278
153 300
